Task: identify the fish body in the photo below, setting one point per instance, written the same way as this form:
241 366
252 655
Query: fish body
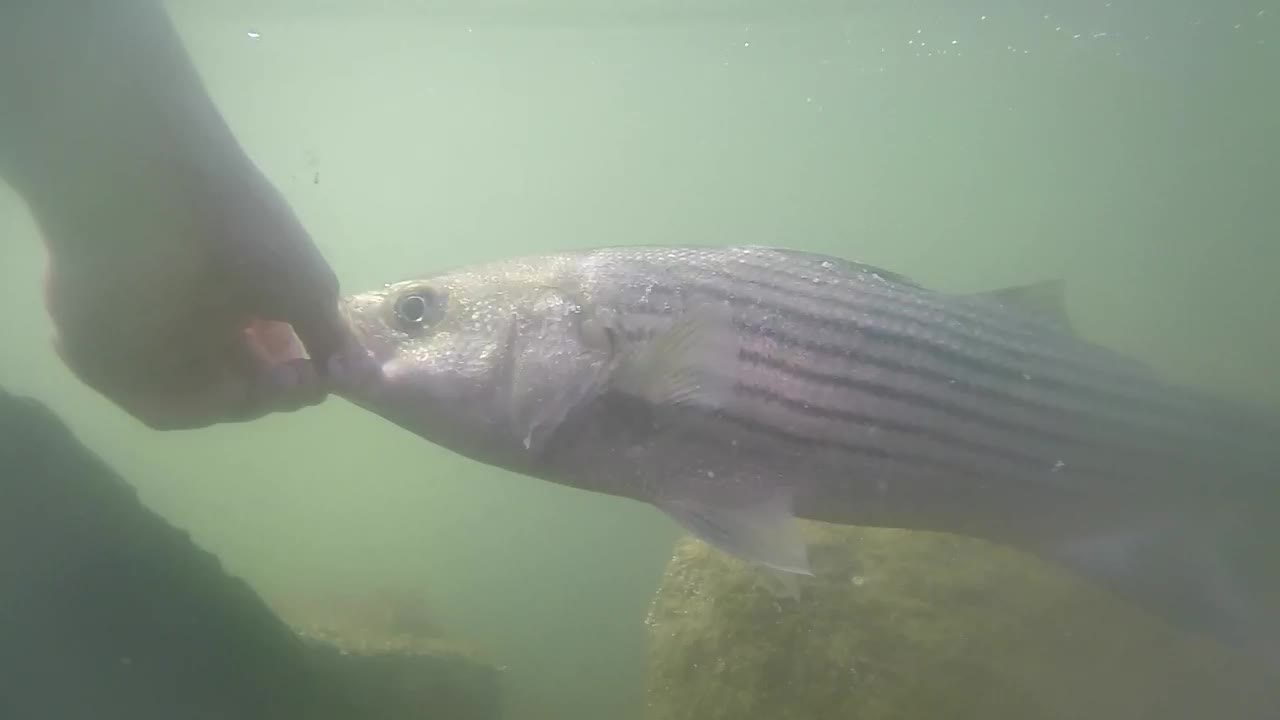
737 388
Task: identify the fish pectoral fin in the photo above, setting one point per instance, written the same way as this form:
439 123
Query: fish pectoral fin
762 530
1046 300
690 363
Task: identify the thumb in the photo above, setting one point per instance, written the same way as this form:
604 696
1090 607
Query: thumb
323 332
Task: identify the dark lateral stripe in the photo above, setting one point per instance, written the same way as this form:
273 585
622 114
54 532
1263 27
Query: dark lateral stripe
890 303
928 402
941 437
1084 421
1102 380
967 351
960 471
866 356
941 353
1013 329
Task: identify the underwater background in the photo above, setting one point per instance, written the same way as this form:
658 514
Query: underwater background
1131 148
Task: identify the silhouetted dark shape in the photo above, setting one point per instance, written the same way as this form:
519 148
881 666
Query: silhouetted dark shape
107 611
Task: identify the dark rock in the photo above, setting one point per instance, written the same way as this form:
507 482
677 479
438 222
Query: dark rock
107 611
393 656
413 681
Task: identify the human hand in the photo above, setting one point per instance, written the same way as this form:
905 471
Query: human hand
177 272
179 300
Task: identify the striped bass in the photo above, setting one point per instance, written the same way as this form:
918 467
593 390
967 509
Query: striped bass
738 388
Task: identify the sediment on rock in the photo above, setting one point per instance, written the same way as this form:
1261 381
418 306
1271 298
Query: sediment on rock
913 625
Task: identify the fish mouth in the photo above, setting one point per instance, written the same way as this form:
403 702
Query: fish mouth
354 331
358 366
352 312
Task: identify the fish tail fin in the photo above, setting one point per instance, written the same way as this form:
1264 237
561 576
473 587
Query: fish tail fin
1211 572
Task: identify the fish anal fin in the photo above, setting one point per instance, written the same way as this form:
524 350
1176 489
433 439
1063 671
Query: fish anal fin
1209 572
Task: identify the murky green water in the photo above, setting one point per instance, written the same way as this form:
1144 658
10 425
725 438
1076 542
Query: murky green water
1130 147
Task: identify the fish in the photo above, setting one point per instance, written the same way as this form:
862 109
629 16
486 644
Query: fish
740 388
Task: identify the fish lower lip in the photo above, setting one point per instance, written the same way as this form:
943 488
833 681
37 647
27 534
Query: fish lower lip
344 314
354 367
356 331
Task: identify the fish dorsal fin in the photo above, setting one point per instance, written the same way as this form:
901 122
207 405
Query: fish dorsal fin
759 529
1046 300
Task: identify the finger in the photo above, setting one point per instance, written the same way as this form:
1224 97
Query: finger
272 374
323 332
284 387
272 342
157 410
208 404
194 395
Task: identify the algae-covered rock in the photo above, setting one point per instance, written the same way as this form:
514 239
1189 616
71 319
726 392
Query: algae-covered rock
392 658
917 626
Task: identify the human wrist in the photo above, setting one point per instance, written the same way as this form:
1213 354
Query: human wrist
103 116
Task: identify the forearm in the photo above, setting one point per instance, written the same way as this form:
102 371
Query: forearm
100 106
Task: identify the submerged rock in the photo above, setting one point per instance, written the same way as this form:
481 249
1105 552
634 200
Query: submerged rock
393 657
108 612
412 682
916 625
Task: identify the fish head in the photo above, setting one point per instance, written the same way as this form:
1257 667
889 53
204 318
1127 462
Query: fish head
487 362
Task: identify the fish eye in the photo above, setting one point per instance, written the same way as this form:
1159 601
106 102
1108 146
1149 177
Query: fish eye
418 308
412 308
